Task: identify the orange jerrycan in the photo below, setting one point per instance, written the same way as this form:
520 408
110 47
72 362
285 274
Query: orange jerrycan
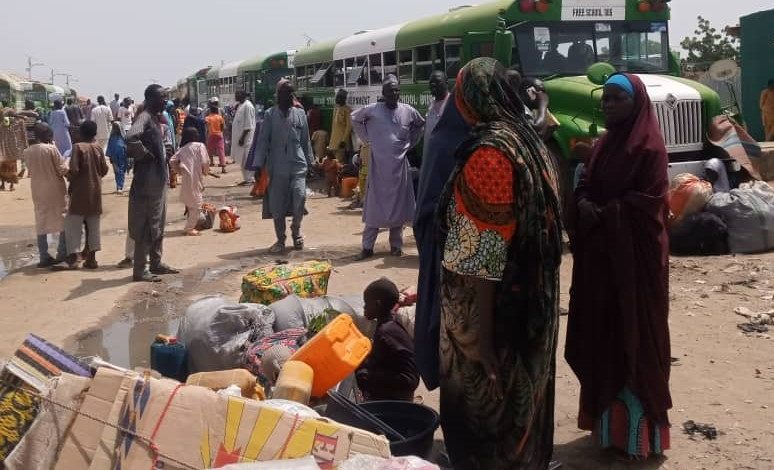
334 353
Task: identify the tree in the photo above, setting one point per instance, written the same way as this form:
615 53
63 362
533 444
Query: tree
708 46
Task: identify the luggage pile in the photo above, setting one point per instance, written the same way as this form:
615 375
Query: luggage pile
240 383
737 221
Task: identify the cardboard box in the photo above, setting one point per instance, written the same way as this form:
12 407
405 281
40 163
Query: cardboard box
83 439
765 163
39 447
193 426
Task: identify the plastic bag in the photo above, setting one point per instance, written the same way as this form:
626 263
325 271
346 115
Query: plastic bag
296 312
749 214
306 463
369 462
688 194
229 220
216 331
206 216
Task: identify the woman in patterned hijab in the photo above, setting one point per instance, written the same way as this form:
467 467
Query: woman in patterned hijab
501 244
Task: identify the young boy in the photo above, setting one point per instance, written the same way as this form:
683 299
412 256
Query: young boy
49 192
331 167
192 163
87 167
215 142
389 372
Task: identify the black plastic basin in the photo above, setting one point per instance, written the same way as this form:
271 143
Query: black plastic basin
416 423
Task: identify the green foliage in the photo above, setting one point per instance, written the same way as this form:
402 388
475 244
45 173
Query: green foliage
708 45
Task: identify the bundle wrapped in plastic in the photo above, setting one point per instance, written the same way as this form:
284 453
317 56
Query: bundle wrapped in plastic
216 332
688 194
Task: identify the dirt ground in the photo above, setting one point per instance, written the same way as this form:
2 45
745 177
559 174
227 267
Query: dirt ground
720 375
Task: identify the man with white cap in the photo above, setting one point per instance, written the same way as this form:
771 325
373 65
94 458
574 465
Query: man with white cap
391 129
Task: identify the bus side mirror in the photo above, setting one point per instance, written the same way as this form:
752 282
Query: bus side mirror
599 73
593 130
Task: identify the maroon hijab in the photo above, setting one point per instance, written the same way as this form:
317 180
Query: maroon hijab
617 332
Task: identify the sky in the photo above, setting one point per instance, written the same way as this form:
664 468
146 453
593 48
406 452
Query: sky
110 46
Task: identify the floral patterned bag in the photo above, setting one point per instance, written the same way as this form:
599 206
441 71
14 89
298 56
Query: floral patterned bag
269 284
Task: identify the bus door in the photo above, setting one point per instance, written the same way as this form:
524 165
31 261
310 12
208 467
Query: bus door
497 44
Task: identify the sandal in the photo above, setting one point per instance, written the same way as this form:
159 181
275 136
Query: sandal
146 277
277 248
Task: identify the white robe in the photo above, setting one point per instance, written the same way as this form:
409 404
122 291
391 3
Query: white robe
190 162
244 120
49 192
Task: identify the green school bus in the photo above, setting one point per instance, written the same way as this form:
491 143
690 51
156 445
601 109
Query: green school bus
259 76
12 90
196 87
555 40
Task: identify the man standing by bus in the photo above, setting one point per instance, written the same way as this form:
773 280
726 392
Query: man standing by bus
439 88
285 152
391 129
341 133
242 134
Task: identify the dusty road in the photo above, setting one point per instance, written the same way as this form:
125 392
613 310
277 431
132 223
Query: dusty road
720 375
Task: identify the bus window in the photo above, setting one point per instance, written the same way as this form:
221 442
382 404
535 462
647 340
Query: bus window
356 74
375 69
301 77
437 57
406 66
338 73
424 63
566 48
482 49
320 74
390 64
452 49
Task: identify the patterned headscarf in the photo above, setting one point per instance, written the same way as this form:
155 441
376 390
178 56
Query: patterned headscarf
484 94
529 291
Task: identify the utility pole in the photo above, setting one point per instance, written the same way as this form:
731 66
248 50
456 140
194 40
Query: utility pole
30 64
67 77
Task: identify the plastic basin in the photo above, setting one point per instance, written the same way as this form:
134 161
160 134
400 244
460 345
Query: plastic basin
417 423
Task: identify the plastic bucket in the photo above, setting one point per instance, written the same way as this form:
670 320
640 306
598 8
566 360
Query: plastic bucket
417 423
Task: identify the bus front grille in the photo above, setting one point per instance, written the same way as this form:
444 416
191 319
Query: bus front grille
680 124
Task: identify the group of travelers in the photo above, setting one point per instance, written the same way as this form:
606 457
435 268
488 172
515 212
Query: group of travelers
488 225
487 217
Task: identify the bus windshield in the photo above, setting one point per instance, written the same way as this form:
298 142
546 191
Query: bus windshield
568 48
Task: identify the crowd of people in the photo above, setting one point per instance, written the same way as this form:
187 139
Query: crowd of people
487 217
488 224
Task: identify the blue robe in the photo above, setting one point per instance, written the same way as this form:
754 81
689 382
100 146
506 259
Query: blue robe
250 162
284 150
61 127
437 166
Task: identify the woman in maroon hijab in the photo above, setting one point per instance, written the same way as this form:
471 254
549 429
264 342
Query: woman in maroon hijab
617 334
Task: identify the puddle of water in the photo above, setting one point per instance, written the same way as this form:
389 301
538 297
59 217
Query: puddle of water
213 274
127 342
16 255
